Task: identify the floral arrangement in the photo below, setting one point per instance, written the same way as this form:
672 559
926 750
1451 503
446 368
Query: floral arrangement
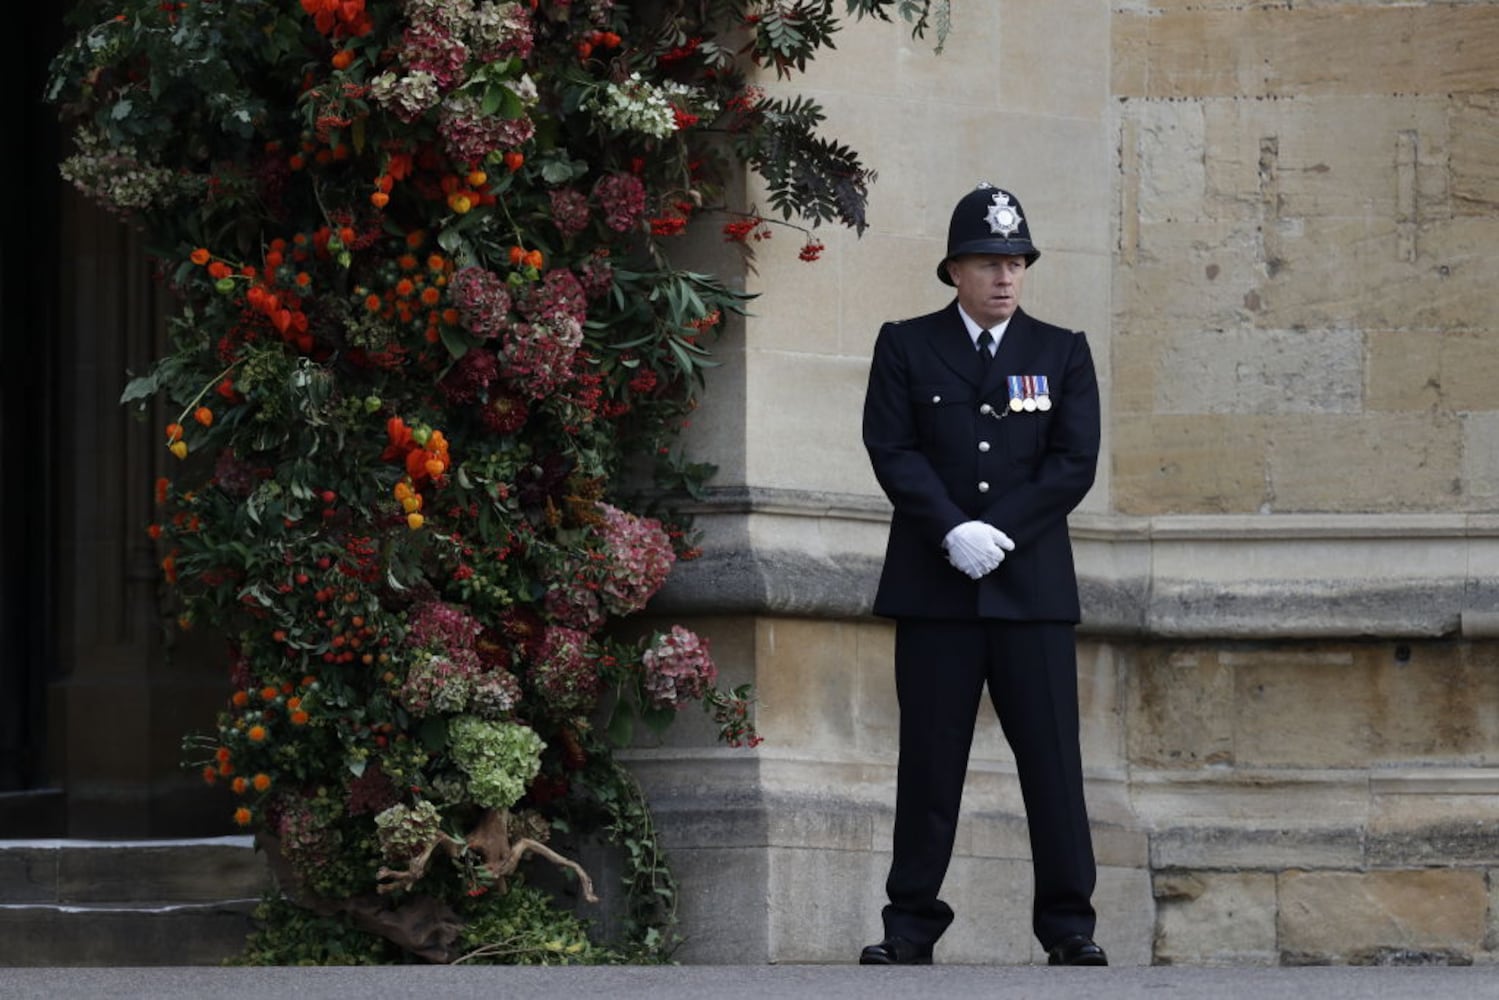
428 363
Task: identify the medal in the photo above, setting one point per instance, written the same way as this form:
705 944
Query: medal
1029 393
1017 392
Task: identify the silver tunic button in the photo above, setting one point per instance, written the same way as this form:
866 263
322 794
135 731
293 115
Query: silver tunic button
986 409
983 487
936 399
983 446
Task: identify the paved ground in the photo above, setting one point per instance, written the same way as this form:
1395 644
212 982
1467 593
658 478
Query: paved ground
767 982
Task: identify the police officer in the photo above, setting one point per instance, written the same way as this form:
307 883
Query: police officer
982 425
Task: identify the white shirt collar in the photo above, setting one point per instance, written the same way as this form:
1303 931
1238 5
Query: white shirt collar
974 329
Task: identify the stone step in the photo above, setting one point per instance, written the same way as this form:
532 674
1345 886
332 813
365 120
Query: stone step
149 902
140 935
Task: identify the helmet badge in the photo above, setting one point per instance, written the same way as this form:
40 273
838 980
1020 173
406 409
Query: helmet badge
1004 216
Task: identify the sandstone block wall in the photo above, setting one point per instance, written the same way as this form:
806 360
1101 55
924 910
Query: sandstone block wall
1277 223
1308 207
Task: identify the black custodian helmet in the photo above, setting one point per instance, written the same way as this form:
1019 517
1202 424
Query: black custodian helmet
987 220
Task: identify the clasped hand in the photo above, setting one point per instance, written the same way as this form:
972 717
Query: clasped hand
976 548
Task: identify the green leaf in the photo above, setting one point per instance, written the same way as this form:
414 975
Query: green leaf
434 733
455 341
494 96
621 727
141 387
658 719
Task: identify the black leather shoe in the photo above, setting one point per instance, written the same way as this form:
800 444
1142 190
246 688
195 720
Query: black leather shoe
896 951
1076 950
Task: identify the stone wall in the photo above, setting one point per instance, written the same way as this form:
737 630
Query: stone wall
1308 203
1276 224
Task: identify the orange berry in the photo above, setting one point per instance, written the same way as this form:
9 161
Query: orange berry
239 785
379 199
414 521
343 59
200 256
257 734
204 416
243 816
261 781
460 203
514 160
476 178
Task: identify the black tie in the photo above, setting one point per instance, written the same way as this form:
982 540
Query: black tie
986 344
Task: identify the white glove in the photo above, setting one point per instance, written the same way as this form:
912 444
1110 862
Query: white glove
976 548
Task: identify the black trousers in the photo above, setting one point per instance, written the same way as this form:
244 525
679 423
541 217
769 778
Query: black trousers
1030 668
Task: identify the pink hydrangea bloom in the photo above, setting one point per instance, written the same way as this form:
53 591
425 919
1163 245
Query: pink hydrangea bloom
569 211
678 668
499 30
431 48
443 664
469 376
481 299
565 674
639 557
443 628
469 135
536 359
571 601
558 298
596 276
622 198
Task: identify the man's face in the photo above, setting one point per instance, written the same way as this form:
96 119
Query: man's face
988 285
